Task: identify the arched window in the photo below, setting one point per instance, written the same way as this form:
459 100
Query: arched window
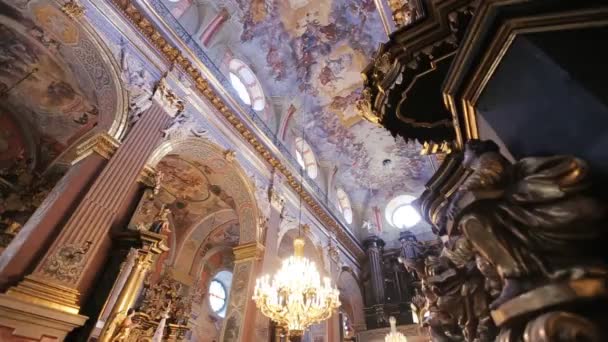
306 158
245 83
400 213
344 205
219 288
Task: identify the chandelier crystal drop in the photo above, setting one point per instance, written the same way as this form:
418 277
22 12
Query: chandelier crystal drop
296 298
394 335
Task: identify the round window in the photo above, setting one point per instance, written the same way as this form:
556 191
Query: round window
400 213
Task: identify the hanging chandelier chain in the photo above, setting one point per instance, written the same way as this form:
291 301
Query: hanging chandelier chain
296 297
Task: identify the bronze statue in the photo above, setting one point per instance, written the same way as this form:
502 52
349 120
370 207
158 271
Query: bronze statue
533 233
531 220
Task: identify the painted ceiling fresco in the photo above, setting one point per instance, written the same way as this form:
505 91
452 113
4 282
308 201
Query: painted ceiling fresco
308 56
190 190
48 60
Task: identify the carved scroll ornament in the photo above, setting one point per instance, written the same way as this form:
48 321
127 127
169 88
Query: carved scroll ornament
67 263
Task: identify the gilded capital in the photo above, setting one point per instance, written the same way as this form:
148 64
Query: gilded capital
167 98
248 251
148 176
103 144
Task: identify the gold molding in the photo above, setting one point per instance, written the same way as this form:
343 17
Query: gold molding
248 251
46 293
102 143
175 57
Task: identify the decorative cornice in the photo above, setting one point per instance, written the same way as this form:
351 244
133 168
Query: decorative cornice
248 251
175 57
103 144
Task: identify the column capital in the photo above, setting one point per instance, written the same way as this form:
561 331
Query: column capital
277 200
248 251
167 99
147 176
373 242
334 254
102 143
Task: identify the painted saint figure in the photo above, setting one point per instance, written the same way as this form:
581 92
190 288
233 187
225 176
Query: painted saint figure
160 225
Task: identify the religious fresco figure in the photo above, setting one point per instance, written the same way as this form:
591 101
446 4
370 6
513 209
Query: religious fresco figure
161 224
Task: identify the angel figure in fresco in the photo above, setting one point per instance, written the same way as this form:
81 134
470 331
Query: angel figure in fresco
161 224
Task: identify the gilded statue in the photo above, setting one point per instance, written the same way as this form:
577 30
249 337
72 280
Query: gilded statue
123 325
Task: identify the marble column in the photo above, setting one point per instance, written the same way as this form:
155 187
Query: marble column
51 292
36 235
240 315
270 261
373 248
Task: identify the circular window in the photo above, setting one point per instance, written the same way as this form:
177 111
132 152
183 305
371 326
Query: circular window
400 213
245 83
218 292
306 158
344 205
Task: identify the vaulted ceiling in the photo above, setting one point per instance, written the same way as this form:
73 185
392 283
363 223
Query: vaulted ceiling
297 64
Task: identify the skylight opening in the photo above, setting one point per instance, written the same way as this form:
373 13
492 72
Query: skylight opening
401 214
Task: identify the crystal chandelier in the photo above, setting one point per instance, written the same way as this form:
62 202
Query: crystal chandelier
394 335
296 298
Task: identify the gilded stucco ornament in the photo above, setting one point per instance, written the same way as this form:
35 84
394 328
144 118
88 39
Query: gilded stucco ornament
230 155
73 9
365 109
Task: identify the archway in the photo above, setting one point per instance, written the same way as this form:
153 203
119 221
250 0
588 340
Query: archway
351 298
213 211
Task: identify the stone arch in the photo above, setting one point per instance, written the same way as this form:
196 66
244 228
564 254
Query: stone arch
233 179
351 297
211 216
